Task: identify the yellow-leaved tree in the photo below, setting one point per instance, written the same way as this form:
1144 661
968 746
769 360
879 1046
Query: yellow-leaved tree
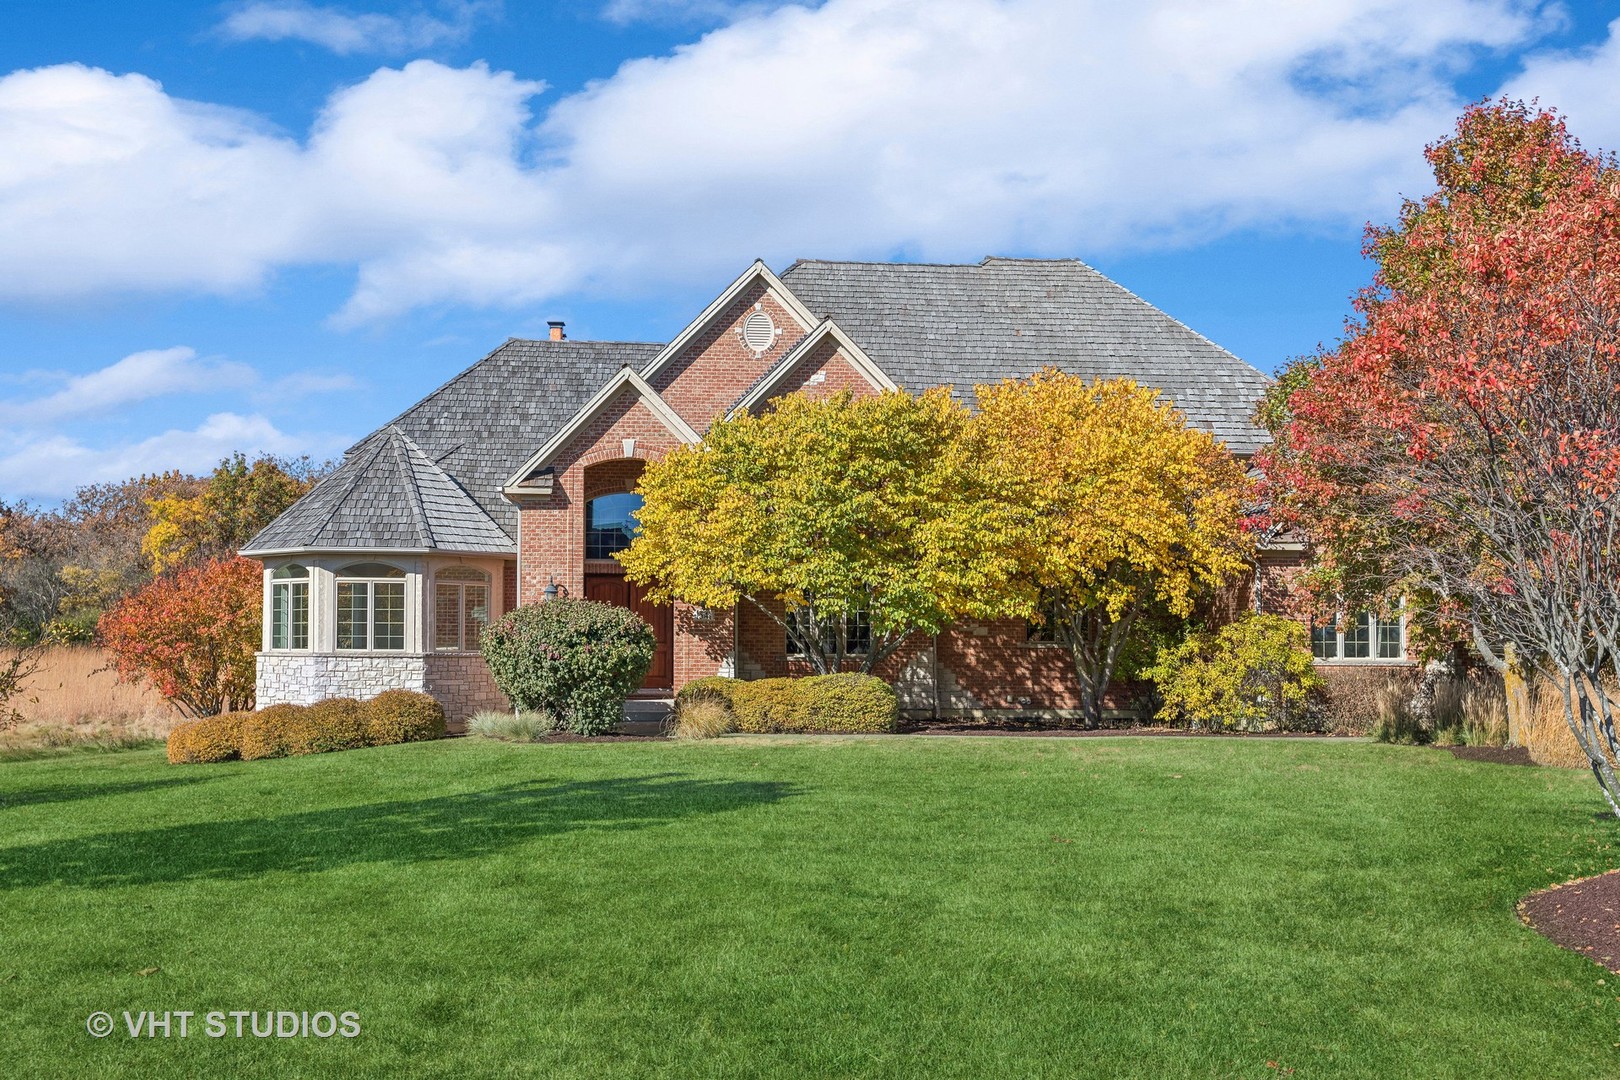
236 501
850 522
1106 504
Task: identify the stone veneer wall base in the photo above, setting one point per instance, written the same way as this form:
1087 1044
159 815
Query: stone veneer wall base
459 681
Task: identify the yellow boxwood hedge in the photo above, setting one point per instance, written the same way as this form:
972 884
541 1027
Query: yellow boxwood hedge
400 716
396 716
823 704
213 738
269 733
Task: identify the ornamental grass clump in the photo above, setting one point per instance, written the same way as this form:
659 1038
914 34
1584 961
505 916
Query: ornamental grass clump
1252 675
513 727
702 718
575 659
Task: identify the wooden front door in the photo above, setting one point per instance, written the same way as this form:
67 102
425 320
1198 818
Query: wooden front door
614 589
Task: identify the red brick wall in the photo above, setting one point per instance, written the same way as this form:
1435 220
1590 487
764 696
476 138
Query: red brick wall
828 360
509 586
551 531
712 373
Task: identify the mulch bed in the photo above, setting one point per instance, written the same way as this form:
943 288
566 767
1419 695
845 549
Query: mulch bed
1500 755
1583 916
1040 728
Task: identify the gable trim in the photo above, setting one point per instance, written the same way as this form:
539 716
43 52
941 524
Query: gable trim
856 355
524 482
757 271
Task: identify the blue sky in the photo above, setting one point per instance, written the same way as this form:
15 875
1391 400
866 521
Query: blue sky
271 225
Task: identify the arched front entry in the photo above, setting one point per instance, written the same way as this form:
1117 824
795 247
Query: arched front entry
610 507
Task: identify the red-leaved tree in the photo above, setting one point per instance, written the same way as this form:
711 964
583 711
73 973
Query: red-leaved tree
192 634
1463 442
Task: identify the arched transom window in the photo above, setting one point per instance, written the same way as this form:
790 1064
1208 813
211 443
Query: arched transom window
371 607
610 524
460 608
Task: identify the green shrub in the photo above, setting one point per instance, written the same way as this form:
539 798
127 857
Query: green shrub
576 659
845 703
851 703
513 727
1252 674
333 724
211 739
268 732
402 716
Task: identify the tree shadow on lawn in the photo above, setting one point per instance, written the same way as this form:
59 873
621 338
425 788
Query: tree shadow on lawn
449 827
73 792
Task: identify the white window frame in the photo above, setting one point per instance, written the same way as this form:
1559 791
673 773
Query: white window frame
850 628
1339 627
289 585
401 578
460 584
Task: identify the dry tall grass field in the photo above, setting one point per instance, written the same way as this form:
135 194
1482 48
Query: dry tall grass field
74 698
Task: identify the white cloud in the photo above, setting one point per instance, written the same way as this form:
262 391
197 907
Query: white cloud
137 377
871 128
690 11
1584 85
51 468
345 32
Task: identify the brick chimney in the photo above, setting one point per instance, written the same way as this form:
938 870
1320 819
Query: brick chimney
556 329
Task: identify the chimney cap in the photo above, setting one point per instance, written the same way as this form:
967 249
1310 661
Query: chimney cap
556 326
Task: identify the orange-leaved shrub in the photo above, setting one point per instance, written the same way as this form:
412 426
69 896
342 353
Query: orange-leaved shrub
211 739
400 716
270 733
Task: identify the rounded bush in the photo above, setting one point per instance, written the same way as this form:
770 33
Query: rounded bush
576 659
708 688
211 739
333 724
269 732
402 716
847 703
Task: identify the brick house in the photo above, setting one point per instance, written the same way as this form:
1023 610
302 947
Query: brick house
516 480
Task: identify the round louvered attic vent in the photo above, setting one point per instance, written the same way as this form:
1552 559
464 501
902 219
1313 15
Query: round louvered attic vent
758 331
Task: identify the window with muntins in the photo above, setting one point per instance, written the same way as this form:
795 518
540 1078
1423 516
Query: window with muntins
610 524
289 607
857 634
1363 637
460 608
371 607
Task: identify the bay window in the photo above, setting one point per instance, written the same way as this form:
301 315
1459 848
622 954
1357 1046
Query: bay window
460 608
289 607
371 607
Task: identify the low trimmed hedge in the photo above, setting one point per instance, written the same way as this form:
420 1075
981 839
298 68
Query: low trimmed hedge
848 703
395 716
211 739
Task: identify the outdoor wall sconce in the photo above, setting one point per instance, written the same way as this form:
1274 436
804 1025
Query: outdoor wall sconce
553 590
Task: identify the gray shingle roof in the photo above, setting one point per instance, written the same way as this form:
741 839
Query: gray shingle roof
926 325
460 442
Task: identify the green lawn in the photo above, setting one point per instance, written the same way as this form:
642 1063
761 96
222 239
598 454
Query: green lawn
813 907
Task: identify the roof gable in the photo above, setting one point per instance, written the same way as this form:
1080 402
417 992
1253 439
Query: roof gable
827 329
524 480
759 272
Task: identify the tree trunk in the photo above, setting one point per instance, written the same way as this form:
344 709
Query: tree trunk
1094 643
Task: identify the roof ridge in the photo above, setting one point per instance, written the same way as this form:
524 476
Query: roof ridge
403 445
